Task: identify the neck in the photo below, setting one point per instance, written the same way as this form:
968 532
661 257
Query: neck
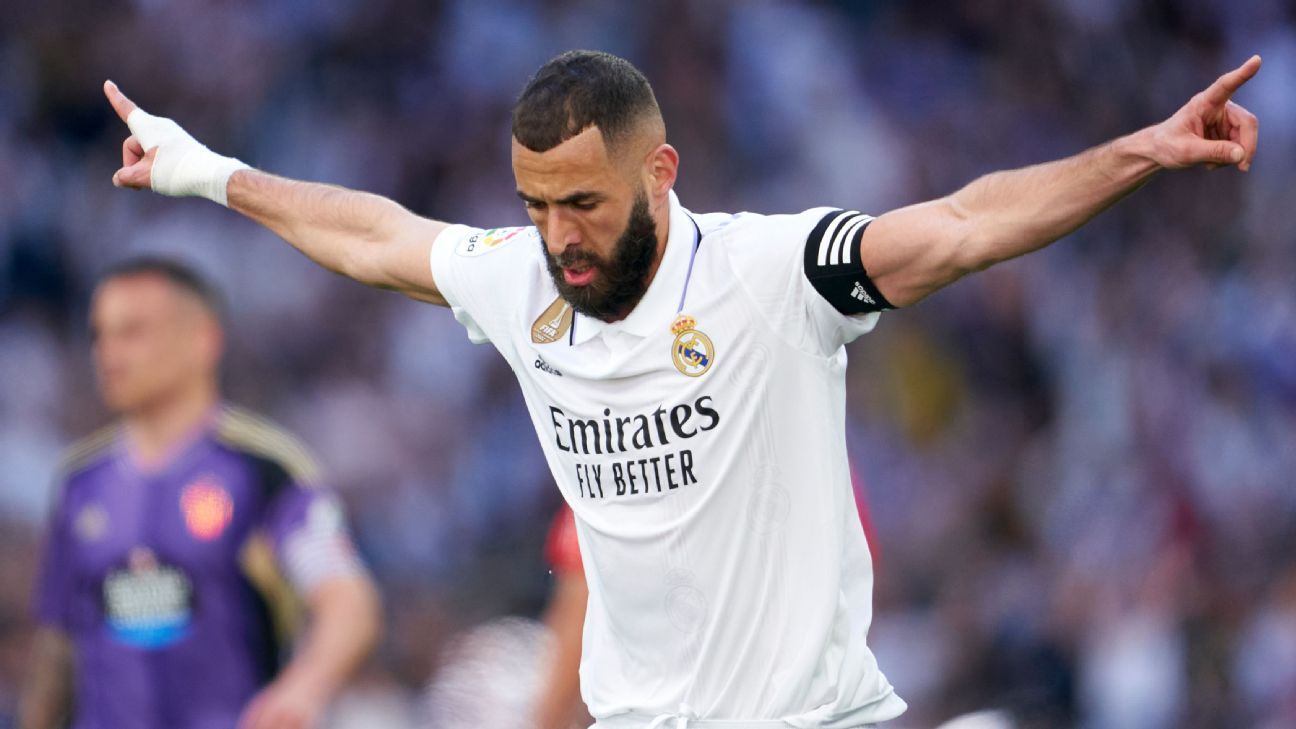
663 235
156 430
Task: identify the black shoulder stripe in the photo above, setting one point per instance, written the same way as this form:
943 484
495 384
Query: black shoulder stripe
833 267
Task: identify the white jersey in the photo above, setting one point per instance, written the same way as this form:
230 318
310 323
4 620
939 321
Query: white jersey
701 444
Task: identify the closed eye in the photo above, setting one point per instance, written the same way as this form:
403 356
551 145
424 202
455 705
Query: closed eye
583 200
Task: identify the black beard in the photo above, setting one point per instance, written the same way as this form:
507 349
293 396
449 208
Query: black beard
621 282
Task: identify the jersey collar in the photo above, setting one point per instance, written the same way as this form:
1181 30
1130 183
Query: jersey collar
182 451
658 307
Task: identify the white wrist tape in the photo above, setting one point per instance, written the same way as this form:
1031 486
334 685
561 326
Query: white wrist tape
183 167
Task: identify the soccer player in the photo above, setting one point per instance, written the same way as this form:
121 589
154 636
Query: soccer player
685 372
183 539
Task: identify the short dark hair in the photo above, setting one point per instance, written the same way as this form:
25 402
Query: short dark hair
576 90
182 276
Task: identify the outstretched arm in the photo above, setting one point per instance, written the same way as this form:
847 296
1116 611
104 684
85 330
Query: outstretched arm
363 236
911 252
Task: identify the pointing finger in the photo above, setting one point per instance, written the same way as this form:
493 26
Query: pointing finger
120 104
1225 86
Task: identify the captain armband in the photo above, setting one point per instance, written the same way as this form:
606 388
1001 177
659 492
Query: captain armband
833 265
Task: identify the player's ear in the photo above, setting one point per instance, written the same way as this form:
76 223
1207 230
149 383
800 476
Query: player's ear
661 168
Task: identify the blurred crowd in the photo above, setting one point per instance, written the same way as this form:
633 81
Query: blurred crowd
1080 464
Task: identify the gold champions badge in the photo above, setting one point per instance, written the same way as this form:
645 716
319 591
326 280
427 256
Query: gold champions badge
553 324
692 351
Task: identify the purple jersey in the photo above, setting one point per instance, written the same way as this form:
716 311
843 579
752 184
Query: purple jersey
177 586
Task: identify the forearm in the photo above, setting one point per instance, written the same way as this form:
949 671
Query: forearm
366 237
344 628
560 699
1008 214
46 701
345 231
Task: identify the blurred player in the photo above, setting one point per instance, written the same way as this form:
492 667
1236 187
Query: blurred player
183 537
686 373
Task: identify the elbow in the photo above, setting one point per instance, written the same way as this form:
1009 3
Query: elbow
972 254
357 263
971 244
369 615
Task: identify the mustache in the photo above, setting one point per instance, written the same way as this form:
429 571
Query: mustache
574 256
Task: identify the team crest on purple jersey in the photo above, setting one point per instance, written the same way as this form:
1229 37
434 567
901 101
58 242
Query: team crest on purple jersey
207 508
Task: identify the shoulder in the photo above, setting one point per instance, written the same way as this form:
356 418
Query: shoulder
747 231
768 247
463 246
281 454
492 278
473 242
86 454
470 264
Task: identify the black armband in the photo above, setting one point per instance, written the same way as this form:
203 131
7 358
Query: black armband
833 265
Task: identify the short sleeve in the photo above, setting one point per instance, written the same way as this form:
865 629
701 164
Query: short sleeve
52 596
803 273
307 527
471 267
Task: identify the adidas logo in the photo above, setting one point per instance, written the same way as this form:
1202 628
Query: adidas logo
544 366
861 294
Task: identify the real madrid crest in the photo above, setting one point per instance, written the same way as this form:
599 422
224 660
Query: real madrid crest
692 351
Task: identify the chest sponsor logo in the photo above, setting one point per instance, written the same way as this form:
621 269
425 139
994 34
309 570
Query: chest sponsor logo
487 241
207 508
553 324
148 605
641 453
692 352
91 523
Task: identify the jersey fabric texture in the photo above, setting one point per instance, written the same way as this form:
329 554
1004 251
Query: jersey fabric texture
178 586
700 443
562 546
